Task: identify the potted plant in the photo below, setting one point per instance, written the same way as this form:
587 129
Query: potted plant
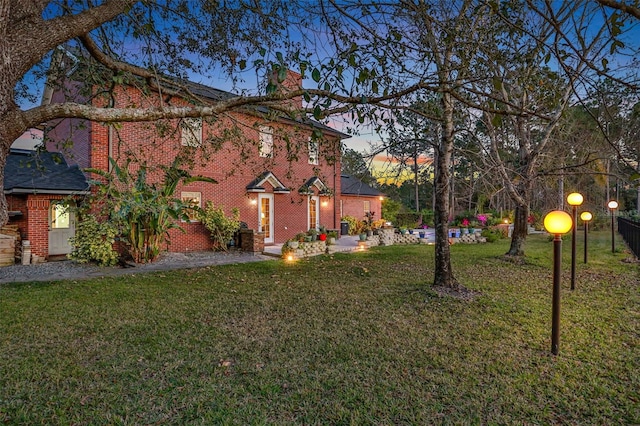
293 243
332 236
322 236
313 233
368 220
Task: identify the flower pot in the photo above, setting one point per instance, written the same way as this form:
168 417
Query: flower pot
363 237
293 244
422 234
322 237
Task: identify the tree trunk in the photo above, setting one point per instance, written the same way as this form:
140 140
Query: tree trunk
520 230
443 272
416 183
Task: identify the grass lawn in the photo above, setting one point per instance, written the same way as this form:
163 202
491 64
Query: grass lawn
346 339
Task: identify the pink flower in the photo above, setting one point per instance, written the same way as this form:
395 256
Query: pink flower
465 222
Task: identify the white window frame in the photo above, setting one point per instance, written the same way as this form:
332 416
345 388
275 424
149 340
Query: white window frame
266 142
194 197
191 132
312 146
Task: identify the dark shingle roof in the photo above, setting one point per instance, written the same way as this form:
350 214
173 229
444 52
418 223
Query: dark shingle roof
31 171
214 94
352 186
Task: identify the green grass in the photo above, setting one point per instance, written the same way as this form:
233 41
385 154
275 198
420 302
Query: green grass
345 339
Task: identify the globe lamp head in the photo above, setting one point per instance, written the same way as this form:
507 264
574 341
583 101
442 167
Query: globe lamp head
558 222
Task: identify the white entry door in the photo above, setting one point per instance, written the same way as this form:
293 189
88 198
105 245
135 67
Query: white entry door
314 212
61 228
265 216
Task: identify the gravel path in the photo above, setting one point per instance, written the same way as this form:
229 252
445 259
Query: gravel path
68 270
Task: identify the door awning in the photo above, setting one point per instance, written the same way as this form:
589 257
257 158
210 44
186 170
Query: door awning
257 185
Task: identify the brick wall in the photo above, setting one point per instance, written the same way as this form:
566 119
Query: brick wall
38 224
354 206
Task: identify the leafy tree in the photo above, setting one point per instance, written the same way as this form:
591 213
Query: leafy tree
354 164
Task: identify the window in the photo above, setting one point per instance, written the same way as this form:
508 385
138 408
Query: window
193 199
60 216
313 151
266 141
367 206
191 132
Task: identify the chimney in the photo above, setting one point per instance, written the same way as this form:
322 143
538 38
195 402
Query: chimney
292 82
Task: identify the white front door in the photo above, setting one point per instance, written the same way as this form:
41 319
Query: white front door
314 212
61 228
265 216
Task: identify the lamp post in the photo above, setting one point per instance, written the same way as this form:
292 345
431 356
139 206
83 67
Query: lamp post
613 204
574 200
557 223
586 217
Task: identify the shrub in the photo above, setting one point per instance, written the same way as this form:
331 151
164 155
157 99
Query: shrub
408 220
93 242
390 209
356 226
493 234
222 227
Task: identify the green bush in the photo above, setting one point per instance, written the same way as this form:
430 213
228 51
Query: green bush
493 234
408 220
356 226
390 209
221 226
93 242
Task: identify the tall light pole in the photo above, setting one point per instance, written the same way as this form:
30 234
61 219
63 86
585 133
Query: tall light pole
613 204
586 217
574 200
557 223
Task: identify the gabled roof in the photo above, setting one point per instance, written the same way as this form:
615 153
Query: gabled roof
307 189
352 186
30 172
198 89
256 185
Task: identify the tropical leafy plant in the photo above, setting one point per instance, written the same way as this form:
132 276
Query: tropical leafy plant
143 212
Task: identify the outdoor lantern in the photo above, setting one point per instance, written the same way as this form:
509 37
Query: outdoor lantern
613 204
574 199
557 223
586 217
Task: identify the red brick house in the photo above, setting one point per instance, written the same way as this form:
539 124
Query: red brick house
282 174
357 198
